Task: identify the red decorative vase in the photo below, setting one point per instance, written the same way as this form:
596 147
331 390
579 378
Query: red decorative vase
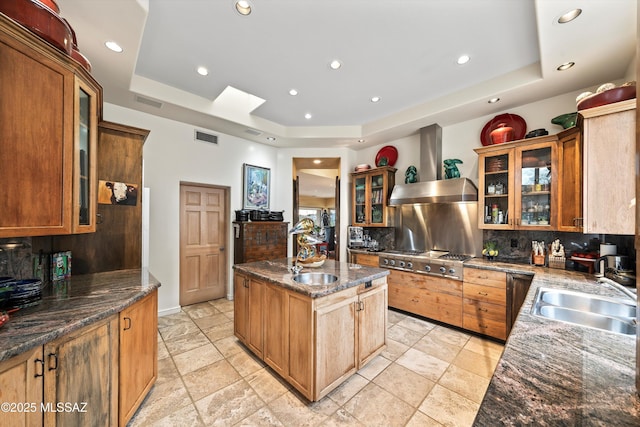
502 133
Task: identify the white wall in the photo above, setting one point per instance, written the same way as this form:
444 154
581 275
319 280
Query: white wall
171 155
459 140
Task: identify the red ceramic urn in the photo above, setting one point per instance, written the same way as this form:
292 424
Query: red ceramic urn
502 133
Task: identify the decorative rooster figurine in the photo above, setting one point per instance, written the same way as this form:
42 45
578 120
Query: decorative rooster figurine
307 254
451 168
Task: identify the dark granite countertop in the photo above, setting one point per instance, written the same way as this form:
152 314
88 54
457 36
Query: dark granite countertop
277 272
553 373
72 304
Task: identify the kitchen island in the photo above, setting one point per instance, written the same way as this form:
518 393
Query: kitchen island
555 373
314 336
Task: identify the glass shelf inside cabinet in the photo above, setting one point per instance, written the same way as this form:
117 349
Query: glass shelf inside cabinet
536 187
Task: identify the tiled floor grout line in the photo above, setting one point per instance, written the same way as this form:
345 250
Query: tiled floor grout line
411 332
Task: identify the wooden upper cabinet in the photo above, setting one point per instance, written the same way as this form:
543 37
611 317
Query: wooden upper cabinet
371 190
49 110
520 180
570 180
609 168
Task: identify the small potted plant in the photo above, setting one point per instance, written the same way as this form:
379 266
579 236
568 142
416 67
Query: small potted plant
490 250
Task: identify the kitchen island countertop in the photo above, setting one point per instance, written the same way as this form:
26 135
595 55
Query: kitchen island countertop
71 304
277 272
555 373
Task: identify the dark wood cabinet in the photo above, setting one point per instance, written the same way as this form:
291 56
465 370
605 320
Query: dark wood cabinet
49 109
117 241
259 241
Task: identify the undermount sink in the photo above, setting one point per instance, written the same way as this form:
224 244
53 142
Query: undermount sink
578 308
315 278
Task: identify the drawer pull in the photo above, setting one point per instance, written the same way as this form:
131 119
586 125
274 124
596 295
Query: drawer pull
484 294
483 309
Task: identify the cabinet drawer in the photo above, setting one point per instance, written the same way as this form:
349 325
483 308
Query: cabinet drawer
366 259
485 277
485 293
490 327
424 302
484 310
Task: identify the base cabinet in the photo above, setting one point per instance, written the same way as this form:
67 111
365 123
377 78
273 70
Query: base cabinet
138 354
437 298
314 343
248 308
95 376
485 302
21 382
81 369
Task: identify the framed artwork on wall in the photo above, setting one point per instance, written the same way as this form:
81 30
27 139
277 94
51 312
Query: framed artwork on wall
256 184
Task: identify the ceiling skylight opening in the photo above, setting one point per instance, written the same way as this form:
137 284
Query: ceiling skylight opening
307 116
566 66
493 100
463 59
202 71
293 92
113 46
375 99
335 64
569 16
243 7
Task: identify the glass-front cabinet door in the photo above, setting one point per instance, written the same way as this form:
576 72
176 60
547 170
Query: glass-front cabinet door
360 200
535 186
376 214
85 150
496 189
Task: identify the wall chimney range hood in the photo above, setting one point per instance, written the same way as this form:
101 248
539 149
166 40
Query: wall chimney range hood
432 188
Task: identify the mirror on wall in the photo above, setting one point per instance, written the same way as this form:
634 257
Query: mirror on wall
317 197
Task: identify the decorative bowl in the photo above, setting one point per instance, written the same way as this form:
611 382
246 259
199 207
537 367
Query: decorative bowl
565 120
610 96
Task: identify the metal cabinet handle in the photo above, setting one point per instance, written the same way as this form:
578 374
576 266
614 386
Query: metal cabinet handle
127 323
39 362
484 294
55 359
482 309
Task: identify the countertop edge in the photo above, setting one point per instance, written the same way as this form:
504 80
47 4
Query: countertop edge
38 317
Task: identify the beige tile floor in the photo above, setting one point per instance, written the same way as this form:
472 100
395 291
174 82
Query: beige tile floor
429 375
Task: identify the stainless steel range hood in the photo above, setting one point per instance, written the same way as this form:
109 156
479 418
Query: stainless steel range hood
432 188
442 191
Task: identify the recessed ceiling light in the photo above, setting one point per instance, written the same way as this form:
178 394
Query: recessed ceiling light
307 116
335 64
375 99
202 71
361 141
243 7
493 100
113 46
569 16
270 138
317 161
566 66
293 92
463 59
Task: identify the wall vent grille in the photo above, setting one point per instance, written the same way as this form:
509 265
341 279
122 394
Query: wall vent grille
205 137
147 101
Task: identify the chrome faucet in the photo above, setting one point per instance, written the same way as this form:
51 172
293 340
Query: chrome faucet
619 287
295 268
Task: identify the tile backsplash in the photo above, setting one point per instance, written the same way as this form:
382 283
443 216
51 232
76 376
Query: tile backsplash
15 258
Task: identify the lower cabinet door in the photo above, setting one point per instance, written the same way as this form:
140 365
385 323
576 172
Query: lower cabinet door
81 374
276 332
138 354
21 384
335 344
485 318
372 321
